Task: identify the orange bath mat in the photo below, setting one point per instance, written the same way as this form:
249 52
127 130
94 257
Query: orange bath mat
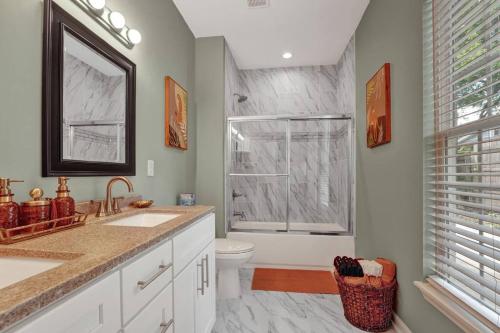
294 280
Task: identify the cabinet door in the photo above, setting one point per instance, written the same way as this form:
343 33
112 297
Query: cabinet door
205 302
96 309
156 317
185 285
189 243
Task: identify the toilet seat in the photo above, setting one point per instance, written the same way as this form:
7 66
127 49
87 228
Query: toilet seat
228 246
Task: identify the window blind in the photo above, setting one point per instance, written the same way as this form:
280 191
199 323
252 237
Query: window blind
462 167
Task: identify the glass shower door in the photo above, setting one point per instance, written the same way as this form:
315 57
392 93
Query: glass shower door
258 175
319 175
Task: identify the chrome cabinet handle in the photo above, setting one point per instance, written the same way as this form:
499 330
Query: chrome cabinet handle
202 289
166 326
207 271
163 269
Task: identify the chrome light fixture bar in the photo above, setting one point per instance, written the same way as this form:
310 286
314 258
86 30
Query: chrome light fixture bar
113 21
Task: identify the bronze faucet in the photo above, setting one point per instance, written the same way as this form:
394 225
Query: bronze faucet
108 205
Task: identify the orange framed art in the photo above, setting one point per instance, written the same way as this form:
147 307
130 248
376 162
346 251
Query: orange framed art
378 107
176 103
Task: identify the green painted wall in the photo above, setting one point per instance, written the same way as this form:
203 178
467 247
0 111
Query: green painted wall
389 178
167 48
210 121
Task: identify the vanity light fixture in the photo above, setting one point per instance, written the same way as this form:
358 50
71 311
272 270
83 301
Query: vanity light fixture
97 5
287 55
117 20
113 21
134 36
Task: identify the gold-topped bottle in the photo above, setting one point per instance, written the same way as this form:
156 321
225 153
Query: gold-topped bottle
9 210
35 210
65 205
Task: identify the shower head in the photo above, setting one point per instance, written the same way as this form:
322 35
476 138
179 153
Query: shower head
241 98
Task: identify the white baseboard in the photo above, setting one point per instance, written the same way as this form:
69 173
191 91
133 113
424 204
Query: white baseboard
398 326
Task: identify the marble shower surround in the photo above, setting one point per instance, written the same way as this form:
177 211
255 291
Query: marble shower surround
307 90
92 95
319 179
231 82
294 90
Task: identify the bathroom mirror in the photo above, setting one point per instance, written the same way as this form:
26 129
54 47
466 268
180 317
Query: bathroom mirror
88 101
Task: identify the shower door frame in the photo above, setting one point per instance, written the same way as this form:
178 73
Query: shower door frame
289 118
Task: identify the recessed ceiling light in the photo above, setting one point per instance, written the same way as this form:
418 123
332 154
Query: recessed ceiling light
287 55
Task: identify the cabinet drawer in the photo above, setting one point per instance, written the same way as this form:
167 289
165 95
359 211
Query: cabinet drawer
96 309
144 278
189 243
156 315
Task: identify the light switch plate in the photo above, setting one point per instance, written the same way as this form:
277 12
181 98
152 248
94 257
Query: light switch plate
151 168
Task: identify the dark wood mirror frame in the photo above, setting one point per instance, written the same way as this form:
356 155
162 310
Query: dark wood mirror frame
56 21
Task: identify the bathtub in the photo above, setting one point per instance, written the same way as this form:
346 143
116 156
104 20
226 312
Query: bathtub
301 251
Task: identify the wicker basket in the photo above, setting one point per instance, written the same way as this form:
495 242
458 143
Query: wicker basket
366 307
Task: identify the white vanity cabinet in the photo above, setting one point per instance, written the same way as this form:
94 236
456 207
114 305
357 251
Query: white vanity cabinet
194 278
169 288
95 309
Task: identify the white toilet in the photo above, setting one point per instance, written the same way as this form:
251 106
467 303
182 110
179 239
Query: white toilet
229 256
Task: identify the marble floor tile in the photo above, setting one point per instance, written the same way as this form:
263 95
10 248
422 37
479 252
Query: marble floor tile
279 312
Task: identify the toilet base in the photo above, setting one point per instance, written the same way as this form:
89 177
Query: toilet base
228 283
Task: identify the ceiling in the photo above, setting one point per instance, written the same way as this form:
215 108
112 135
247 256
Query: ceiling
316 32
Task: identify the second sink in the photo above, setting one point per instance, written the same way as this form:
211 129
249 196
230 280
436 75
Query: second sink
147 220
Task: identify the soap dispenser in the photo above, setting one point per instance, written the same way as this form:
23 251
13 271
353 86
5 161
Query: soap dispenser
65 205
9 210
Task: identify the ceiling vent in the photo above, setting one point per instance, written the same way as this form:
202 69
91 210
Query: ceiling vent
258 3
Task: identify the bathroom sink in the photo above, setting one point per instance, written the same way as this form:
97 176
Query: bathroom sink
147 220
15 269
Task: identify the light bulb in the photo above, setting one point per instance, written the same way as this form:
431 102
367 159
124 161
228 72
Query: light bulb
287 55
97 4
117 20
134 36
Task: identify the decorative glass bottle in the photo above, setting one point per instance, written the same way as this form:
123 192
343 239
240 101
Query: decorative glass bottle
9 210
65 204
36 210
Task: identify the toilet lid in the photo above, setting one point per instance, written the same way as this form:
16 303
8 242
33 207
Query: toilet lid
228 246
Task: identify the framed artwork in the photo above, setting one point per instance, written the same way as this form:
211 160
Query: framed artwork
176 99
378 107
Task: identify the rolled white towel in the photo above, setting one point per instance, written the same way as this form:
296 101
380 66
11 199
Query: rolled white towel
371 267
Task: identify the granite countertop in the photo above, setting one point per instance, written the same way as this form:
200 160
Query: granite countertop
90 251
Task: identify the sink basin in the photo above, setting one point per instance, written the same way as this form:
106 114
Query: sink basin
147 220
15 269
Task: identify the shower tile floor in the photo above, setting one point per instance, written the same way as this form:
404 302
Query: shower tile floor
280 312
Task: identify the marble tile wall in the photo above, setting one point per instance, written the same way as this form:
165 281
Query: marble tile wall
346 83
92 95
319 156
293 90
232 83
